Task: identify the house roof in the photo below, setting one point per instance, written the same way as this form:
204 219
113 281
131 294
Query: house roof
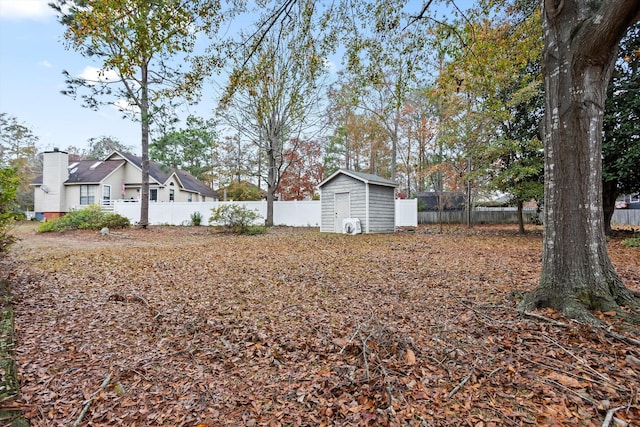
161 174
367 178
190 183
88 171
95 171
92 171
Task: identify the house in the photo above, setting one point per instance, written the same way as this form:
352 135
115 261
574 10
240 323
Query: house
359 196
65 185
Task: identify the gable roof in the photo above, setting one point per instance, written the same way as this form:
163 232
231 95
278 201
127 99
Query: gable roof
191 183
157 172
161 174
367 178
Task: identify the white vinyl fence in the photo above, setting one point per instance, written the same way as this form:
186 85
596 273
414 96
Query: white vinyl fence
293 213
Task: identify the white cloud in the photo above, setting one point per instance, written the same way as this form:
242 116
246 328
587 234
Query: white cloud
93 74
36 10
45 64
329 65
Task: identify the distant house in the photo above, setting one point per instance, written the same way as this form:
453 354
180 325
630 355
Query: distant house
65 185
354 195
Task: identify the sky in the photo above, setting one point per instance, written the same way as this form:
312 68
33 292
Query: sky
32 59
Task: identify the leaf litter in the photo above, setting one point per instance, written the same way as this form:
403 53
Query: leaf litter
185 327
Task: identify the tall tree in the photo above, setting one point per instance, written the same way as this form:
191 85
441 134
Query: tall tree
621 143
102 146
192 149
136 41
18 150
274 94
303 173
580 39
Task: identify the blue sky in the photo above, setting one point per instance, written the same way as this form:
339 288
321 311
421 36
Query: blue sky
32 58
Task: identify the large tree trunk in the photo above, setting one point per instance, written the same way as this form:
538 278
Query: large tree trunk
144 119
580 49
520 206
271 185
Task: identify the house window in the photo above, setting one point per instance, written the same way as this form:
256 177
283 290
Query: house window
153 194
172 195
106 194
87 194
190 198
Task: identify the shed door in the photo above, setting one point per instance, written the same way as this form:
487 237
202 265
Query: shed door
341 210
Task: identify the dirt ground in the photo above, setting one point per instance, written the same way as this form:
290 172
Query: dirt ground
180 326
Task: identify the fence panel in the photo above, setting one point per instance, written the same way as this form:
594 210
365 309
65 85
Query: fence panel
292 213
626 217
406 212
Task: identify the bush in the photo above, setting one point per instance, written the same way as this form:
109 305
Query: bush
89 218
631 242
9 182
196 218
237 218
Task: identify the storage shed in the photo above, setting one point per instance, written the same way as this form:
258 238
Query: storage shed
359 196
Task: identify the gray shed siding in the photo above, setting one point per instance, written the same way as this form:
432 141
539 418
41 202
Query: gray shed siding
342 184
381 204
382 209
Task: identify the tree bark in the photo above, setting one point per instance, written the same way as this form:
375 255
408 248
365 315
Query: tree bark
520 217
579 52
144 119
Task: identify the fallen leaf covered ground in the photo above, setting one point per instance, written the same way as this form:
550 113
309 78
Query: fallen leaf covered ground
180 326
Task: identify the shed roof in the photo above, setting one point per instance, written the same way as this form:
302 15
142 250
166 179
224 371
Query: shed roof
367 178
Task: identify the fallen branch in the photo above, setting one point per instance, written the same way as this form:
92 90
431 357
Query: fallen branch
90 400
609 417
624 339
544 319
459 386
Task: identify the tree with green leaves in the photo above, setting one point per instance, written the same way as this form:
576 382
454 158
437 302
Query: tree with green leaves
192 149
18 150
102 146
138 44
621 141
9 182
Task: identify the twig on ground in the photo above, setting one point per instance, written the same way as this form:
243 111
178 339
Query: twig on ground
90 400
557 384
624 339
581 360
545 319
459 386
609 417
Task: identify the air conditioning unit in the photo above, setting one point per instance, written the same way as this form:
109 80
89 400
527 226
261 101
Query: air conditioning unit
351 226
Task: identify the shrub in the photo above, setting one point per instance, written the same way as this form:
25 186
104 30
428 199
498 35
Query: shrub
89 218
237 218
196 218
631 242
9 182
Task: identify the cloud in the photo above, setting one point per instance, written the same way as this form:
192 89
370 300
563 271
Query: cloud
45 63
95 75
330 65
36 10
